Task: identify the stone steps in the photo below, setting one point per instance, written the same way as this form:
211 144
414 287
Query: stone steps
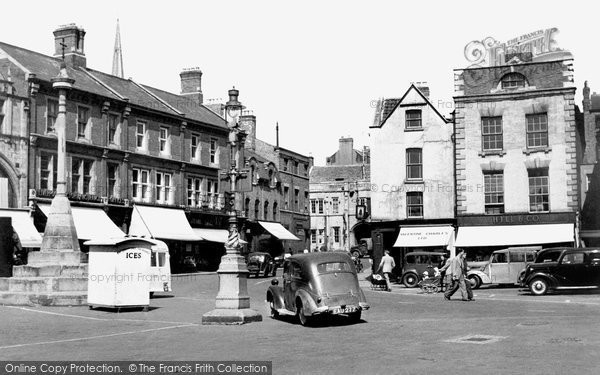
69 298
51 271
56 278
43 284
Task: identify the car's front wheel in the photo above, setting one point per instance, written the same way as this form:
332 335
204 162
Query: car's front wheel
356 254
475 281
538 286
274 312
304 319
410 280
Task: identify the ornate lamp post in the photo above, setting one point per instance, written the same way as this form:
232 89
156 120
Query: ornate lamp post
233 302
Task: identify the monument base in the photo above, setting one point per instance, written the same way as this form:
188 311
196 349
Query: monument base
231 317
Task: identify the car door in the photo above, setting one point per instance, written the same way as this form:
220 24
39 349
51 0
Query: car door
294 281
572 270
593 262
499 268
287 285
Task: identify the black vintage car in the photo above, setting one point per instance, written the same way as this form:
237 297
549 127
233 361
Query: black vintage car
261 263
563 268
317 285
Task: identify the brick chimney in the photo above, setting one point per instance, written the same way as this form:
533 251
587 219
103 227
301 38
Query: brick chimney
346 152
248 124
69 38
191 84
424 88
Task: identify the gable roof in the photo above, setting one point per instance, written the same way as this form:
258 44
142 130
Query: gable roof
390 105
109 86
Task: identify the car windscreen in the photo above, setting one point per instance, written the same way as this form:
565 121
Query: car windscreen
327 267
256 258
548 256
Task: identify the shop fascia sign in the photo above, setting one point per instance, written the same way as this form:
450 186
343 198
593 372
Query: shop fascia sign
537 46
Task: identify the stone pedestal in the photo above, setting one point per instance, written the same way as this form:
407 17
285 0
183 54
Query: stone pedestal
60 234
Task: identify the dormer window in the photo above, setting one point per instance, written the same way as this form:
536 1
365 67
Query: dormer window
513 80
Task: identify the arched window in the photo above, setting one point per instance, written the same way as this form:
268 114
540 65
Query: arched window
247 207
266 210
256 208
252 175
271 177
274 211
513 80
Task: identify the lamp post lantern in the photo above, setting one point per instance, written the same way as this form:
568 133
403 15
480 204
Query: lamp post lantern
233 302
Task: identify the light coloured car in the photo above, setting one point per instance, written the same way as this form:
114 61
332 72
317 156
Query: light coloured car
317 285
503 267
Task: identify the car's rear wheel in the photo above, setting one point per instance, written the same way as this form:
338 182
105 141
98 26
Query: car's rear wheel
538 286
355 316
410 280
475 281
304 319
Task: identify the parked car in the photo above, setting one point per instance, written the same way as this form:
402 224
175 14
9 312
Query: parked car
417 262
364 248
563 268
503 267
317 285
261 263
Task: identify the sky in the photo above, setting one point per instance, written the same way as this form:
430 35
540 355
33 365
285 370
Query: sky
315 67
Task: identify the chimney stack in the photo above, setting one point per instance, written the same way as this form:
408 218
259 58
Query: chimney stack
424 88
191 84
69 38
346 152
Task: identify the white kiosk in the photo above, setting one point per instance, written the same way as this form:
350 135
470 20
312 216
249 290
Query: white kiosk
119 272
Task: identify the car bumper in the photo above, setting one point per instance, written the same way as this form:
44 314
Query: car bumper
341 309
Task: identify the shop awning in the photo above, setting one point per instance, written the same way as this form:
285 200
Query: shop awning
162 223
278 231
425 236
213 235
507 235
90 223
22 224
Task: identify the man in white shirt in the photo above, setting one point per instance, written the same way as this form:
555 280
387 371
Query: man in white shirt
387 264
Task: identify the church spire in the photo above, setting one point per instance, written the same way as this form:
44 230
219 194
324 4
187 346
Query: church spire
117 67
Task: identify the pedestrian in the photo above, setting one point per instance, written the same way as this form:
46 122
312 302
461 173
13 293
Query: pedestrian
387 264
465 268
442 266
458 276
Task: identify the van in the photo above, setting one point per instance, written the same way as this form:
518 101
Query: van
417 262
503 267
160 268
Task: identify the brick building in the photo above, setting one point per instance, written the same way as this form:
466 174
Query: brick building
134 152
516 156
335 192
412 176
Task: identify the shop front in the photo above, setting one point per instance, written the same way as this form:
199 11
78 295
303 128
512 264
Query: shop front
480 235
430 238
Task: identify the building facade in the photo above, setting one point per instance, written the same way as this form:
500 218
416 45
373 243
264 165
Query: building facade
128 145
589 175
412 176
336 190
516 156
